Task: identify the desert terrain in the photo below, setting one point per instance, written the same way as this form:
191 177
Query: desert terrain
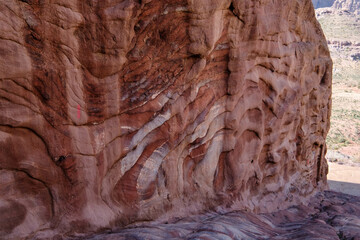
341 26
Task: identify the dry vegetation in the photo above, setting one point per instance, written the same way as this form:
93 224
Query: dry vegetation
342 30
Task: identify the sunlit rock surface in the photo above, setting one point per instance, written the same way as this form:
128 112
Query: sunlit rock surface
116 111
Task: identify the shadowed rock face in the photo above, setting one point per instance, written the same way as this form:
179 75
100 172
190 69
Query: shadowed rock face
119 111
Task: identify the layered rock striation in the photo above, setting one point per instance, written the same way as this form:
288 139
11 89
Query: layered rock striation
117 111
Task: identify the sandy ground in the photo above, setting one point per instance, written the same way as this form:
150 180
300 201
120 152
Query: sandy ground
344 178
352 150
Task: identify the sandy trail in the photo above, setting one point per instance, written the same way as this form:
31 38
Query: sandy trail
344 178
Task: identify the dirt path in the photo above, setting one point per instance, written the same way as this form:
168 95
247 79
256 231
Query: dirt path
344 178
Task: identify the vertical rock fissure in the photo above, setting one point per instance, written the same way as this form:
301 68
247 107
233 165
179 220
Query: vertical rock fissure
319 164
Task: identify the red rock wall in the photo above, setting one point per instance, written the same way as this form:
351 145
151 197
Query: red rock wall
118 111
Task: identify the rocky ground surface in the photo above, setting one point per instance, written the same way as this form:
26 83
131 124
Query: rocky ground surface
330 215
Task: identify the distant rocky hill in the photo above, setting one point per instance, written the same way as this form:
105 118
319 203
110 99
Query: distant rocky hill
346 5
341 25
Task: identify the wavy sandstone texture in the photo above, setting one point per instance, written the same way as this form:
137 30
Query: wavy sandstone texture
116 111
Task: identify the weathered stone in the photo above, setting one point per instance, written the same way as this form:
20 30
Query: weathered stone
329 215
116 111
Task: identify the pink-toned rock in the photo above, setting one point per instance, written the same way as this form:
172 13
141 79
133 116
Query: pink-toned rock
116 111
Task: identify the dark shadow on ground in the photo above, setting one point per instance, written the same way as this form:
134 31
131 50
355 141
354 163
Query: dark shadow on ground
345 187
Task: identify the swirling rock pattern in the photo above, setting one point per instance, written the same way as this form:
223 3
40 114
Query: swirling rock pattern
116 111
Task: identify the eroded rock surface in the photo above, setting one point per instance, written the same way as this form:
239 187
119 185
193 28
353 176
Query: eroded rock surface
117 111
329 216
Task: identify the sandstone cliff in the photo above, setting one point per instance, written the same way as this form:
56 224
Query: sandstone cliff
116 111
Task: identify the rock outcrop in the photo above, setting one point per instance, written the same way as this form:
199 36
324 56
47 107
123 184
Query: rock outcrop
116 111
329 216
352 6
347 5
